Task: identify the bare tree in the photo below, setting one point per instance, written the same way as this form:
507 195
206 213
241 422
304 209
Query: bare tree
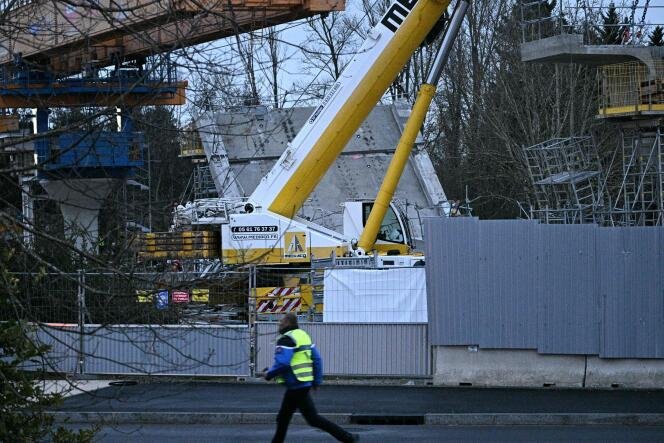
330 44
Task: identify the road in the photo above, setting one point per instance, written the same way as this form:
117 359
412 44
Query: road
210 397
383 434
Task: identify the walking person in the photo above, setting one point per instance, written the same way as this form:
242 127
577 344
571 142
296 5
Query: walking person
298 365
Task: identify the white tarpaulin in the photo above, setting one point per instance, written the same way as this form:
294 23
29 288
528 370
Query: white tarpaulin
375 295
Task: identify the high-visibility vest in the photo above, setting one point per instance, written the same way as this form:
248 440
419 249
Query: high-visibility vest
301 362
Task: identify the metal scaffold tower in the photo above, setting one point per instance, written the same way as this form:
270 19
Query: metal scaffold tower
632 97
641 196
630 190
567 180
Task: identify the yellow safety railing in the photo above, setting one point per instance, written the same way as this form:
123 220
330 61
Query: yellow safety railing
191 145
631 88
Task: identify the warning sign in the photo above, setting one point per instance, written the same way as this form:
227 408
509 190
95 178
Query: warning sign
144 296
180 297
295 245
200 295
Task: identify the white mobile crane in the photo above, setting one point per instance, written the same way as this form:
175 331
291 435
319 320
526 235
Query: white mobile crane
264 228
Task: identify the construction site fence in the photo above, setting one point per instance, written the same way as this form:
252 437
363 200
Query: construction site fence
242 296
359 349
117 324
144 350
133 298
556 289
347 349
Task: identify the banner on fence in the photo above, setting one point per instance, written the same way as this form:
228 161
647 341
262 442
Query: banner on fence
375 296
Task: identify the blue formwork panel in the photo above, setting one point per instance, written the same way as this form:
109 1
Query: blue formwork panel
91 150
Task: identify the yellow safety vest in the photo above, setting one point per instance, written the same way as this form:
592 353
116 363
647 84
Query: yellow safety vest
301 362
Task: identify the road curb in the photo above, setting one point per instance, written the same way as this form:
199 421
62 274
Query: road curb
504 419
556 419
188 418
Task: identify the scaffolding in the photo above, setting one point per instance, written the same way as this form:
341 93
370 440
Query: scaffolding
640 199
540 20
137 201
204 186
631 89
546 18
567 181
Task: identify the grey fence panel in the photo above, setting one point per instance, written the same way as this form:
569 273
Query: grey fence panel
63 354
508 284
360 349
569 315
632 293
558 289
175 350
204 351
120 350
452 267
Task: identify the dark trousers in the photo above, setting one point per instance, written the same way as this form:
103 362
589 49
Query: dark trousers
300 399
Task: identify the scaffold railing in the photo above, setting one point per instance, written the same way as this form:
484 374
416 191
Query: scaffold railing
631 88
634 22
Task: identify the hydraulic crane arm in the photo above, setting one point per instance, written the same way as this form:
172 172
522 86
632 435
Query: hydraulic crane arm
388 47
407 141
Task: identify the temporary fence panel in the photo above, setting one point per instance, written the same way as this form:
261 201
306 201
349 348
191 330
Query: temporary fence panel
508 284
63 342
375 295
453 299
568 289
359 349
632 303
568 314
484 292
173 350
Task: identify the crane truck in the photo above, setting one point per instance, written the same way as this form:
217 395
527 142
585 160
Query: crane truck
264 228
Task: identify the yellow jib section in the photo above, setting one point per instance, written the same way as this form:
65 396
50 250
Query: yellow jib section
383 72
397 165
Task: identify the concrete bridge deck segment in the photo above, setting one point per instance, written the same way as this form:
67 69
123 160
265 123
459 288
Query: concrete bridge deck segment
569 48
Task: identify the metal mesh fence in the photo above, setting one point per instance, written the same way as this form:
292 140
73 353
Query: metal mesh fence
228 297
145 298
187 323
631 87
278 291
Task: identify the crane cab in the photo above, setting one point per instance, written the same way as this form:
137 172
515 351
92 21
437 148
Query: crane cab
394 236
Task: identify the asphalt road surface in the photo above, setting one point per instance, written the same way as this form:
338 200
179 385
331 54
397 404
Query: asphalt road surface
382 434
377 400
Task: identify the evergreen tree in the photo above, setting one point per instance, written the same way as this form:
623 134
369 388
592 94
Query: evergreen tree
24 403
657 37
610 32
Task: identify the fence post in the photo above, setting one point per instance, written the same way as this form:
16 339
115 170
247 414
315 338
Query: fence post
253 331
81 321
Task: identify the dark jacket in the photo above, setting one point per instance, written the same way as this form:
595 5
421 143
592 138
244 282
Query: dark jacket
283 353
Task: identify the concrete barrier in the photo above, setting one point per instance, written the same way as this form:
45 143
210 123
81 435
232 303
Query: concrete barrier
470 365
625 373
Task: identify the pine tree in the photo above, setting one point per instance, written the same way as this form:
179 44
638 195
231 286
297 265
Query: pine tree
610 31
657 36
25 404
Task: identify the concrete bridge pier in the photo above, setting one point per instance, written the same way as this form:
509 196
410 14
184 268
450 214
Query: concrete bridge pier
80 201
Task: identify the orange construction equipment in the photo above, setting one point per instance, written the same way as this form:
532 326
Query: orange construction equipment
65 37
